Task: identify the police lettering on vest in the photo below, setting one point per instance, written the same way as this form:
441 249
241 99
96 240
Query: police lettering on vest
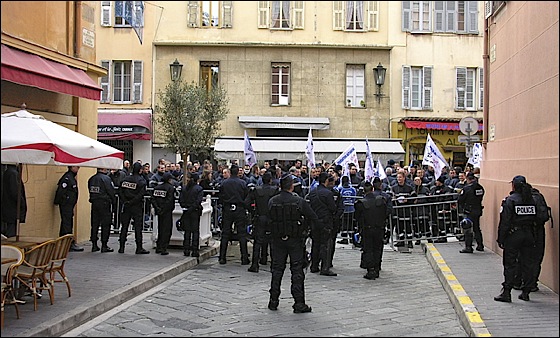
160 193
522 210
94 189
128 185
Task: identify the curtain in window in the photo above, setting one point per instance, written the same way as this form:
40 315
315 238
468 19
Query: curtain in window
349 13
359 14
285 12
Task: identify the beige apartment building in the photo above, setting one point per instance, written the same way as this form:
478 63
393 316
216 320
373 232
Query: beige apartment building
293 66
43 42
521 117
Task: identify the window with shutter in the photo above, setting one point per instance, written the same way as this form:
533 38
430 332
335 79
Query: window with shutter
355 85
263 14
137 81
406 87
421 16
280 15
473 17
406 16
298 17
373 16
192 14
280 84
427 90
417 87
210 14
480 88
338 15
106 13
227 14
105 84
122 77
466 82
461 83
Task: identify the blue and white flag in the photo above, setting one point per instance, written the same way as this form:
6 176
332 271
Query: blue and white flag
476 155
137 18
309 151
250 157
380 171
348 156
369 169
433 157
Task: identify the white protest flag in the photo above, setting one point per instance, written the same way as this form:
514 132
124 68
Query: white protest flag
250 157
380 171
476 155
433 157
348 156
309 151
137 18
369 169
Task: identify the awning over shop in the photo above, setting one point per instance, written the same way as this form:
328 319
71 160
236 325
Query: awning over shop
437 125
270 122
124 124
268 148
33 70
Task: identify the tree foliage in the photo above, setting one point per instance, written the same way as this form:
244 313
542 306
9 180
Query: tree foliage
189 116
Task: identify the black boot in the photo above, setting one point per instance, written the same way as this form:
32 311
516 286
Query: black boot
301 308
245 260
466 250
253 268
121 247
505 296
141 251
273 304
370 274
74 247
105 248
94 247
195 254
524 294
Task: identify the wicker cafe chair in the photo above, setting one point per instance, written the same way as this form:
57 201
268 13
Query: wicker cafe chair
58 259
34 269
9 271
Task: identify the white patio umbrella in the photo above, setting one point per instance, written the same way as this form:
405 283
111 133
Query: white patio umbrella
31 139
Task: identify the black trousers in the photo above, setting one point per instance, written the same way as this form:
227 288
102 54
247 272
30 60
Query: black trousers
190 222
518 256
100 218
372 247
229 218
165 223
262 240
66 219
132 213
294 248
322 248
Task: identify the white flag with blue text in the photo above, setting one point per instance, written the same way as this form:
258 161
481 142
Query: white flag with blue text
250 157
433 157
137 18
476 155
380 171
369 169
348 156
309 151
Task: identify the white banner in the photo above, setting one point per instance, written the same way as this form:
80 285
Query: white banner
369 169
380 171
476 155
433 157
348 156
309 151
250 157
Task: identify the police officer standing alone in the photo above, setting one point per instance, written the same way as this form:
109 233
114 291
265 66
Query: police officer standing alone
470 201
190 200
371 213
163 200
101 197
260 196
233 193
289 232
131 192
515 237
66 197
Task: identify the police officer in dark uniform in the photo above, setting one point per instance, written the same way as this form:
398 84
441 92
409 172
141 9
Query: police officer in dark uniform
401 191
131 193
470 202
515 236
101 197
190 199
163 200
322 202
66 197
289 231
261 221
371 213
232 194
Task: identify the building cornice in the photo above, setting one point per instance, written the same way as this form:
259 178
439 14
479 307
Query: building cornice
268 44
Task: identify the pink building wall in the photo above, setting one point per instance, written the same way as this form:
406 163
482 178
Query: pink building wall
521 117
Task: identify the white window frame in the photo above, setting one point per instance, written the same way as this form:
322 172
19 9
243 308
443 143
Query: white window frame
417 87
468 88
195 17
295 18
131 82
118 19
355 86
282 96
342 17
214 13
417 16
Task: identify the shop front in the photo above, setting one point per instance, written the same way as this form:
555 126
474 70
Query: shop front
444 132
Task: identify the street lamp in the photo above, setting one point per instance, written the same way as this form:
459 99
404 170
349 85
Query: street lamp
175 69
379 72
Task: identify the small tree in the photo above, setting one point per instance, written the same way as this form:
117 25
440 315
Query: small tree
189 117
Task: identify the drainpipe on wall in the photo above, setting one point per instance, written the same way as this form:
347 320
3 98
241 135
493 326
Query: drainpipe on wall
486 80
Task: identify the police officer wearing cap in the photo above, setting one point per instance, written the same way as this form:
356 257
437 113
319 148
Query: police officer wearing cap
163 200
515 236
261 221
101 196
289 232
66 197
322 202
131 193
190 199
232 193
371 213
470 202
